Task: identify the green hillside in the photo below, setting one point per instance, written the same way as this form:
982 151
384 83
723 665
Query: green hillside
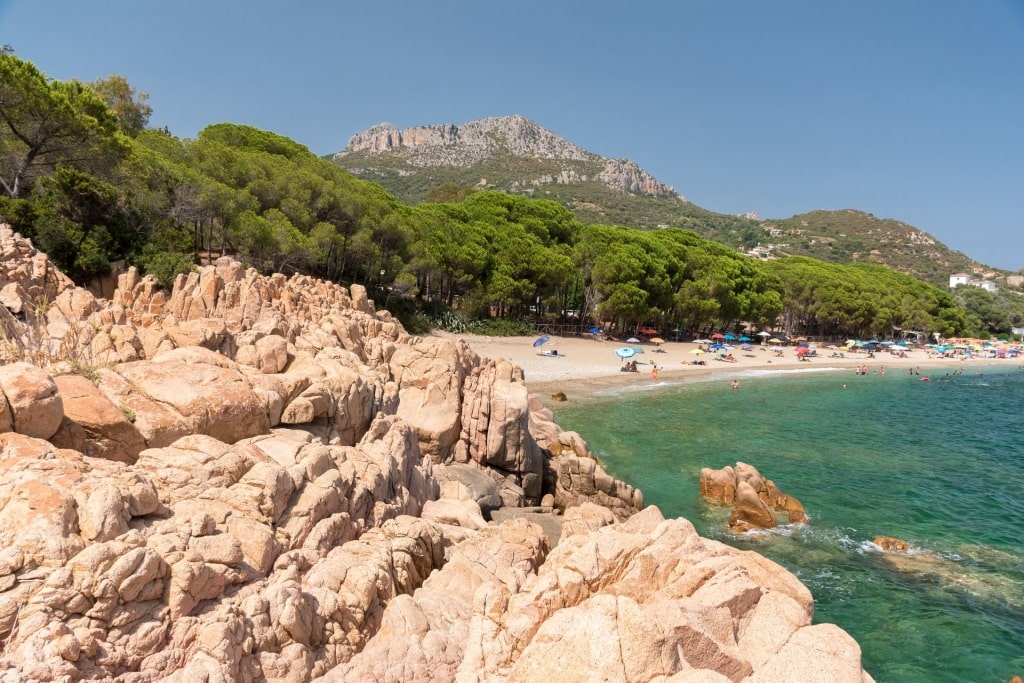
411 173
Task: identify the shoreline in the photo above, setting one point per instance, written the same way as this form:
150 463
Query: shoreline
587 367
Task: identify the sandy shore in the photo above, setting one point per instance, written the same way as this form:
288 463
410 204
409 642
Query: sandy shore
585 366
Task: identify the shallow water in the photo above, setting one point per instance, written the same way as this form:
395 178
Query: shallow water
939 464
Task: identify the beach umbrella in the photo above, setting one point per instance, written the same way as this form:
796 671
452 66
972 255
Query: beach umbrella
762 333
698 351
701 341
730 336
657 340
633 340
625 352
718 335
773 340
541 341
802 350
746 347
717 347
637 350
594 330
744 338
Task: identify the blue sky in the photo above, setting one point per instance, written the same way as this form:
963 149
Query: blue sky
906 109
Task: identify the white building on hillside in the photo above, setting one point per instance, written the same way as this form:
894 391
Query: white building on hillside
957 279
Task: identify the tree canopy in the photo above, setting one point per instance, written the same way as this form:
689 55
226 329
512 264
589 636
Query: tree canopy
85 178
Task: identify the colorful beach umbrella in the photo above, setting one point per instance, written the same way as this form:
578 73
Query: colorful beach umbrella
698 351
625 352
540 341
594 330
718 335
730 336
657 340
744 338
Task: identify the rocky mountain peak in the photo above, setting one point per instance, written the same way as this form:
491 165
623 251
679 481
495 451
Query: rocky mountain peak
474 143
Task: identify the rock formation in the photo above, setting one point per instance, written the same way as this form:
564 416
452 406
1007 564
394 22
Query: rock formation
264 479
891 545
476 142
754 498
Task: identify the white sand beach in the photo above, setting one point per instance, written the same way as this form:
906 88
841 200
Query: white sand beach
584 365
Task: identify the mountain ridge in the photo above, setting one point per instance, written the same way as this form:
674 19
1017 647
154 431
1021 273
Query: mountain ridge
513 154
474 142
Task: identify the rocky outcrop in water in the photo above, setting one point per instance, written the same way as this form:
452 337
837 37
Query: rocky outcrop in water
264 479
753 498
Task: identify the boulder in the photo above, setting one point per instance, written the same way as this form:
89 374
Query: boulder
108 429
205 389
34 404
755 498
481 488
749 511
891 545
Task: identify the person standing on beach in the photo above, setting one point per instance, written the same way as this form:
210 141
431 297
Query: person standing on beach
654 372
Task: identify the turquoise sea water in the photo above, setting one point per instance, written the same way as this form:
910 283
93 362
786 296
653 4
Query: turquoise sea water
939 464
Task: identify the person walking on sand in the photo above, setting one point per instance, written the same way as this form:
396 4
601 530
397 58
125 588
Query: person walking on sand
654 372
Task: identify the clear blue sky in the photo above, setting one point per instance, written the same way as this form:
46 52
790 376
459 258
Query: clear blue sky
906 109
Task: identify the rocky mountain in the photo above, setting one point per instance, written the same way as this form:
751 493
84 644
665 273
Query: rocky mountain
257 478
513 154
508 153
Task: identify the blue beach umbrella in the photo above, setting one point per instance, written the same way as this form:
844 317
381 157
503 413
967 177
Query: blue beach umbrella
594 330
637 350
744 338
625 352
730 336
540 341
717 347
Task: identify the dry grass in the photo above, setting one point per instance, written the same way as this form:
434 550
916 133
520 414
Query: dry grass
26 338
